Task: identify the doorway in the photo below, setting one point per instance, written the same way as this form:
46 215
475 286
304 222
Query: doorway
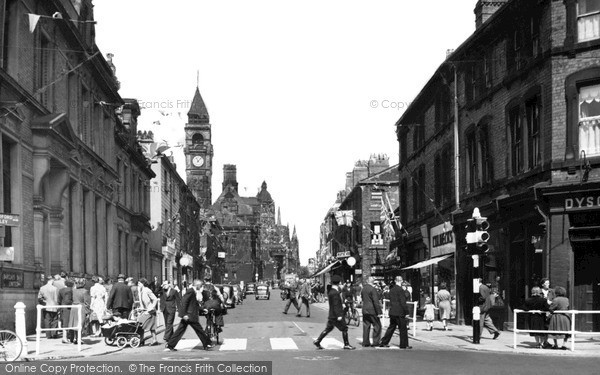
587 287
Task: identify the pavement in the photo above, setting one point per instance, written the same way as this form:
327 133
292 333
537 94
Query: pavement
457 337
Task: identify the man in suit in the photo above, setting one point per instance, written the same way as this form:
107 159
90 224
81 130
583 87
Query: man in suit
169 300
120 298
304 297
486 303
398 314
336 315
65 297
371 310
189 313
48 296
292 288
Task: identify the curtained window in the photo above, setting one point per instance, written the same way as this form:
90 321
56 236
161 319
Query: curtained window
588 20
589 119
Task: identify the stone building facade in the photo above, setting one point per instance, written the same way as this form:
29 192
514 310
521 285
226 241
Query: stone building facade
72 171
528 87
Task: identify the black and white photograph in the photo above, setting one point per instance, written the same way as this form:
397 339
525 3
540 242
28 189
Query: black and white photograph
299 187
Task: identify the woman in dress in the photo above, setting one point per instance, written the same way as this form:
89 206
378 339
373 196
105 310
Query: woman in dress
442 300
148 302
559 321
537 321
98 305
81 296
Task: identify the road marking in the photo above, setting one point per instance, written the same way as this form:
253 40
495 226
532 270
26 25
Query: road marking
283 343
331 343
187 344
234 344
317 358
297 326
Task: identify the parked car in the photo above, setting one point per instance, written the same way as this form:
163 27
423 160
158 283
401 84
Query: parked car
262 291
250 288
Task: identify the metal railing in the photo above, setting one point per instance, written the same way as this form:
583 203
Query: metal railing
39 329
386 315
572 332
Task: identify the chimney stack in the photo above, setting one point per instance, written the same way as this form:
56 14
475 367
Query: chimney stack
484 9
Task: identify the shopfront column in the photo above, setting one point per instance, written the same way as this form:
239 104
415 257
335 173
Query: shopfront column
55 226
111 230
102 251
91 255
77 234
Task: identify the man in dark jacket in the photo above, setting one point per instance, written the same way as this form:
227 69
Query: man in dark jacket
189 313
120 298
398 314
371 309
65 297
169 300
336 315
292 289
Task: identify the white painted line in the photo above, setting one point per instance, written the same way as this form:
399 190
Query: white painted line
283 343
297 326
233 344
187 344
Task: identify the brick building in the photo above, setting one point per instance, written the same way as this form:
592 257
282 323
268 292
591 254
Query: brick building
528 97
363 240
72 171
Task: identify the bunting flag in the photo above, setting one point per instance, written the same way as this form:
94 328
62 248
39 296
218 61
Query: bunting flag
344 217
33 20
391 255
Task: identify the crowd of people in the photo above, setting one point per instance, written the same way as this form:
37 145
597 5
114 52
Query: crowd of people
103 301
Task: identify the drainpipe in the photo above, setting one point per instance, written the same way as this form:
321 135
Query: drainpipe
456 149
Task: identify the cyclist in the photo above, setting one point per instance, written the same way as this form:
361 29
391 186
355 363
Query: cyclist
214 302
348 296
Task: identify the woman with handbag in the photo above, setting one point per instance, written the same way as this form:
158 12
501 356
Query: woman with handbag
81 296
99 296
148 302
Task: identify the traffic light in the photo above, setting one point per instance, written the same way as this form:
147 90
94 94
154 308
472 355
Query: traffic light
477 235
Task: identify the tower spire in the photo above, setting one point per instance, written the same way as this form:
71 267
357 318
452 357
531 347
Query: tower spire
278 215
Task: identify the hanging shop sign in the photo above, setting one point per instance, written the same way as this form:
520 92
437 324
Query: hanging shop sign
9 220
342 254
441 240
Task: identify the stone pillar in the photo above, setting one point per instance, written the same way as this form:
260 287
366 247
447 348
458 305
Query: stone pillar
77 228
111 233
39 223
101 235
91 255
55 226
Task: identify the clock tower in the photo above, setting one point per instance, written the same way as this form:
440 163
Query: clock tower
199 151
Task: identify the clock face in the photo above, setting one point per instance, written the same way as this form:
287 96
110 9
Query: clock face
198 161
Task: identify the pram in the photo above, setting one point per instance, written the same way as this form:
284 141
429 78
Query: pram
123 333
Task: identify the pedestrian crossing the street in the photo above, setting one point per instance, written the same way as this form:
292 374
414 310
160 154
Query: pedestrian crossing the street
271 343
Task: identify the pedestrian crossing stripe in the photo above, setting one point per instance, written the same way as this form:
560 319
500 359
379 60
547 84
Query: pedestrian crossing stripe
233 344
283 343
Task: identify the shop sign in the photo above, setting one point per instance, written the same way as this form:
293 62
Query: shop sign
9 220
358 271
7 254
342 254
12 279
582 202
441 240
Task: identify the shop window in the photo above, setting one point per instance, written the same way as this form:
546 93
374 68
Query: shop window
589 119
588 20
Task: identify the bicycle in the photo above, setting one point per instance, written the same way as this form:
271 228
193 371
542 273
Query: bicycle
212 329
351 314
10 346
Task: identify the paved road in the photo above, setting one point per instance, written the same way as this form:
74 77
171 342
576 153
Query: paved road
259 331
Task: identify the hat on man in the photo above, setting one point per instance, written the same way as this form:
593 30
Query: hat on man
336 279
121 276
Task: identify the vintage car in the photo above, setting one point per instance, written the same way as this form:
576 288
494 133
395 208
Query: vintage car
262 291
250 288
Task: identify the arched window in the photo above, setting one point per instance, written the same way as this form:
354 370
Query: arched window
197 139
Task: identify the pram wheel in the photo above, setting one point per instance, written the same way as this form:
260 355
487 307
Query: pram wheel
135 342
109 341
122 342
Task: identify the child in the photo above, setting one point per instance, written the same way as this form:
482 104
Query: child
429 315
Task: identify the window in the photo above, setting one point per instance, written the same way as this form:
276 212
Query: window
487 70
532 111
418 129
44 71
418 178
485 162
472 172
443 167
589 119
516 140
6 185
534 32
437 177
403 200
443 107
403 146
588 20
197 139
86 115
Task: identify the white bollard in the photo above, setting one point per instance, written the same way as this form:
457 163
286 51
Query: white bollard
20 326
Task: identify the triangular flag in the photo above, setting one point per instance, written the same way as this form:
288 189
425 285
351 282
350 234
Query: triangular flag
33 20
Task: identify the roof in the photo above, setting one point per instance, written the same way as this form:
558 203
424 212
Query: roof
390 175
198 108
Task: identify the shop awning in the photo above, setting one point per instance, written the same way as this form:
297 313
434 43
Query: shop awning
428 262
325 269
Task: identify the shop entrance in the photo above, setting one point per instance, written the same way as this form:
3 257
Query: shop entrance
587 287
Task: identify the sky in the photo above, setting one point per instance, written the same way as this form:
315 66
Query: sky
297 91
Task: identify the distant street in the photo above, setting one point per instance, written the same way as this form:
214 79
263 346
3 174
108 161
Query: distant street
258 331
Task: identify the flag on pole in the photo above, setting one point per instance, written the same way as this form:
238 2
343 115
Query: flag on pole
344 217
33 20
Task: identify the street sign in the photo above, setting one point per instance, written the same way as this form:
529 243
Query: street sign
9 220
342 254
